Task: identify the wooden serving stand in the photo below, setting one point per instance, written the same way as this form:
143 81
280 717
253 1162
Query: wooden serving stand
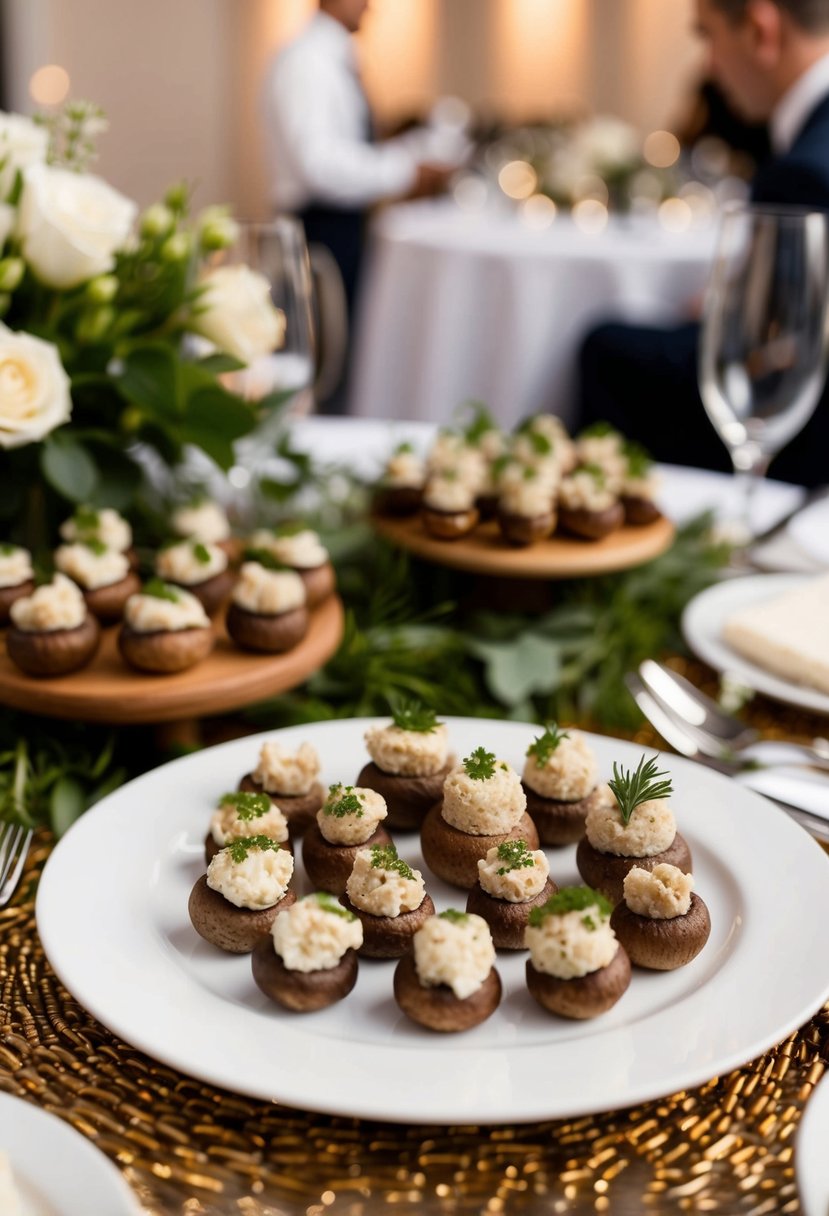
484 551
229 678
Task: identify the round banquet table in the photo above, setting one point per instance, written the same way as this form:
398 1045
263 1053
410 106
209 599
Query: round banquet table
457 306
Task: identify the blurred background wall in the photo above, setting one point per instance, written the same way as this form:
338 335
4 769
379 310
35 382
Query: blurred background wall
180 79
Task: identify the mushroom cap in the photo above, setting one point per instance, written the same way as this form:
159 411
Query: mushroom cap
526 529
107 603
507 921
640 511
662 945
449 525
591 525
211 593
397 500
269 633
407 798
299 809
221 923
558 822
165 650
320 582
585 997
438 1008
389 936
301 991
8 595
54 652
605 872
454 855
329 866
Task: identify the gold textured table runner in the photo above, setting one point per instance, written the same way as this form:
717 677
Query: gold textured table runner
191 1149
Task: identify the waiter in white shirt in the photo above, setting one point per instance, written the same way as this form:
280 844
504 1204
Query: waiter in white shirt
322 163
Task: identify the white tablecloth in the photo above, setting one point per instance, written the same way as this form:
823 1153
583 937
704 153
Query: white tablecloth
458 306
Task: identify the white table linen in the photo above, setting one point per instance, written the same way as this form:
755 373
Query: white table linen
458 305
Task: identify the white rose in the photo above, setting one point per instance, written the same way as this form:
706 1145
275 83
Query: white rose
236 313
70 225
22 143
34 389
7 218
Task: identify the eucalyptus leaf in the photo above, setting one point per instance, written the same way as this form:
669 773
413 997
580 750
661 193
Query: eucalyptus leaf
515 670
67 803
68 467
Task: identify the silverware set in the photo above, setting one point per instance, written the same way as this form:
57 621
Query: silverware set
14 845
794 775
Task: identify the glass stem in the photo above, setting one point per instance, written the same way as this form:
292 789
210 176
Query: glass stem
750 467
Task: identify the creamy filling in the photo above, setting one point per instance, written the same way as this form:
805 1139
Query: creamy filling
312 936
458 953
190 563
408 753
570 945
486 807
381 891
151 614
268 592
350 815
650 830
204 521
660 894
518 884
15 566
90 569
104 525
281 771
258 881
55 605
567 774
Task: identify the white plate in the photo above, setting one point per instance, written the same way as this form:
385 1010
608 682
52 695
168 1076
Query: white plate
57 1172
810 530
702 625
112 914
811 1161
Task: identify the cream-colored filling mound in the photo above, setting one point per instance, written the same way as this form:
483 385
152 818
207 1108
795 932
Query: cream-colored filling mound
518 885
650 830
268 592
15 567
225 825
605 451
483 808
459 954
787 634
281 771
181 564
10 1201
452 454
530 496
642 487
204 521
383 892
660 894
571 944
404 470
352 827
408 753
583 492
55 605
149 614
449 494
111 530
90 569
569 773
259 881
307 937
304 550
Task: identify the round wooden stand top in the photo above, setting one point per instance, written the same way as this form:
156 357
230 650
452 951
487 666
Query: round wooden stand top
484 551
229 678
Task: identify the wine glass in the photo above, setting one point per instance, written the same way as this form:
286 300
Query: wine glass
764 343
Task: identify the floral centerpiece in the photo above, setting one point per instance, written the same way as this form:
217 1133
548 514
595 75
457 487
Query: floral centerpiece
99 308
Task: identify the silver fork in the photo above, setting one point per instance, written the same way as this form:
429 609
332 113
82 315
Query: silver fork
14 846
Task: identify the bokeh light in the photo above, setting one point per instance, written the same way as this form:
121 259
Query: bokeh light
662 149
538 212
518 179
675 215
591 216
49 85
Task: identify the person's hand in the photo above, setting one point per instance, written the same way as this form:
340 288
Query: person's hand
431 179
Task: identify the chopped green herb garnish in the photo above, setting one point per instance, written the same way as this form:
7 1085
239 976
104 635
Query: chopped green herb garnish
480 765
160 591
544 746
290 527
265 558
240 848
638 459
6 549
404 449
529 473
329 903
384 857
595 471
643 785
246 804
413 715
572 899
599 430
201 553
448 474
345 804
94 545
500 465
87 519
515 856
541 445
480 424
453 916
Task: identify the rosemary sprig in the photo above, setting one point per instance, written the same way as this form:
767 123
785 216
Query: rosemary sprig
544 746
631 789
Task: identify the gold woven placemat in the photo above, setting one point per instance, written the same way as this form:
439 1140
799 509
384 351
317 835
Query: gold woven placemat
188 1148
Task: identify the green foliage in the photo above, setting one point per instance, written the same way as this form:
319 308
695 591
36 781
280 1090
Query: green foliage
633 787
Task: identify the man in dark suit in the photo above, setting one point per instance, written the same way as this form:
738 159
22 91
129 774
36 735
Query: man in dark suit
771 58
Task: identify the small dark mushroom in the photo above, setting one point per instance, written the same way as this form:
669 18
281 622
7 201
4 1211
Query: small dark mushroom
320 582
639 512
301 991
407 798
662 944
270 633
397 500
164 651
107 603
522 530
389 936
299 809
586 996
507 920
54 652
329 866
559 822
212 592
454 855
591 525
221 923
449 525
438 1008
606 872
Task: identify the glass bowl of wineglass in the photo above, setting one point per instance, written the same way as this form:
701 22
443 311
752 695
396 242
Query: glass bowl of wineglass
765 338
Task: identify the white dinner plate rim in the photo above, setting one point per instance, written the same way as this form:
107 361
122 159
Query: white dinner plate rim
306 1092
811 1162
32 1136
704 616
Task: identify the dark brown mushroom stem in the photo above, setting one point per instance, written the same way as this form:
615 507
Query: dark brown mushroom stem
55 652
407 798
302 991
389 936
606 872
454 855
662 945
559 822
587 996
164 651
438 1008
233 929
329 866
507 920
